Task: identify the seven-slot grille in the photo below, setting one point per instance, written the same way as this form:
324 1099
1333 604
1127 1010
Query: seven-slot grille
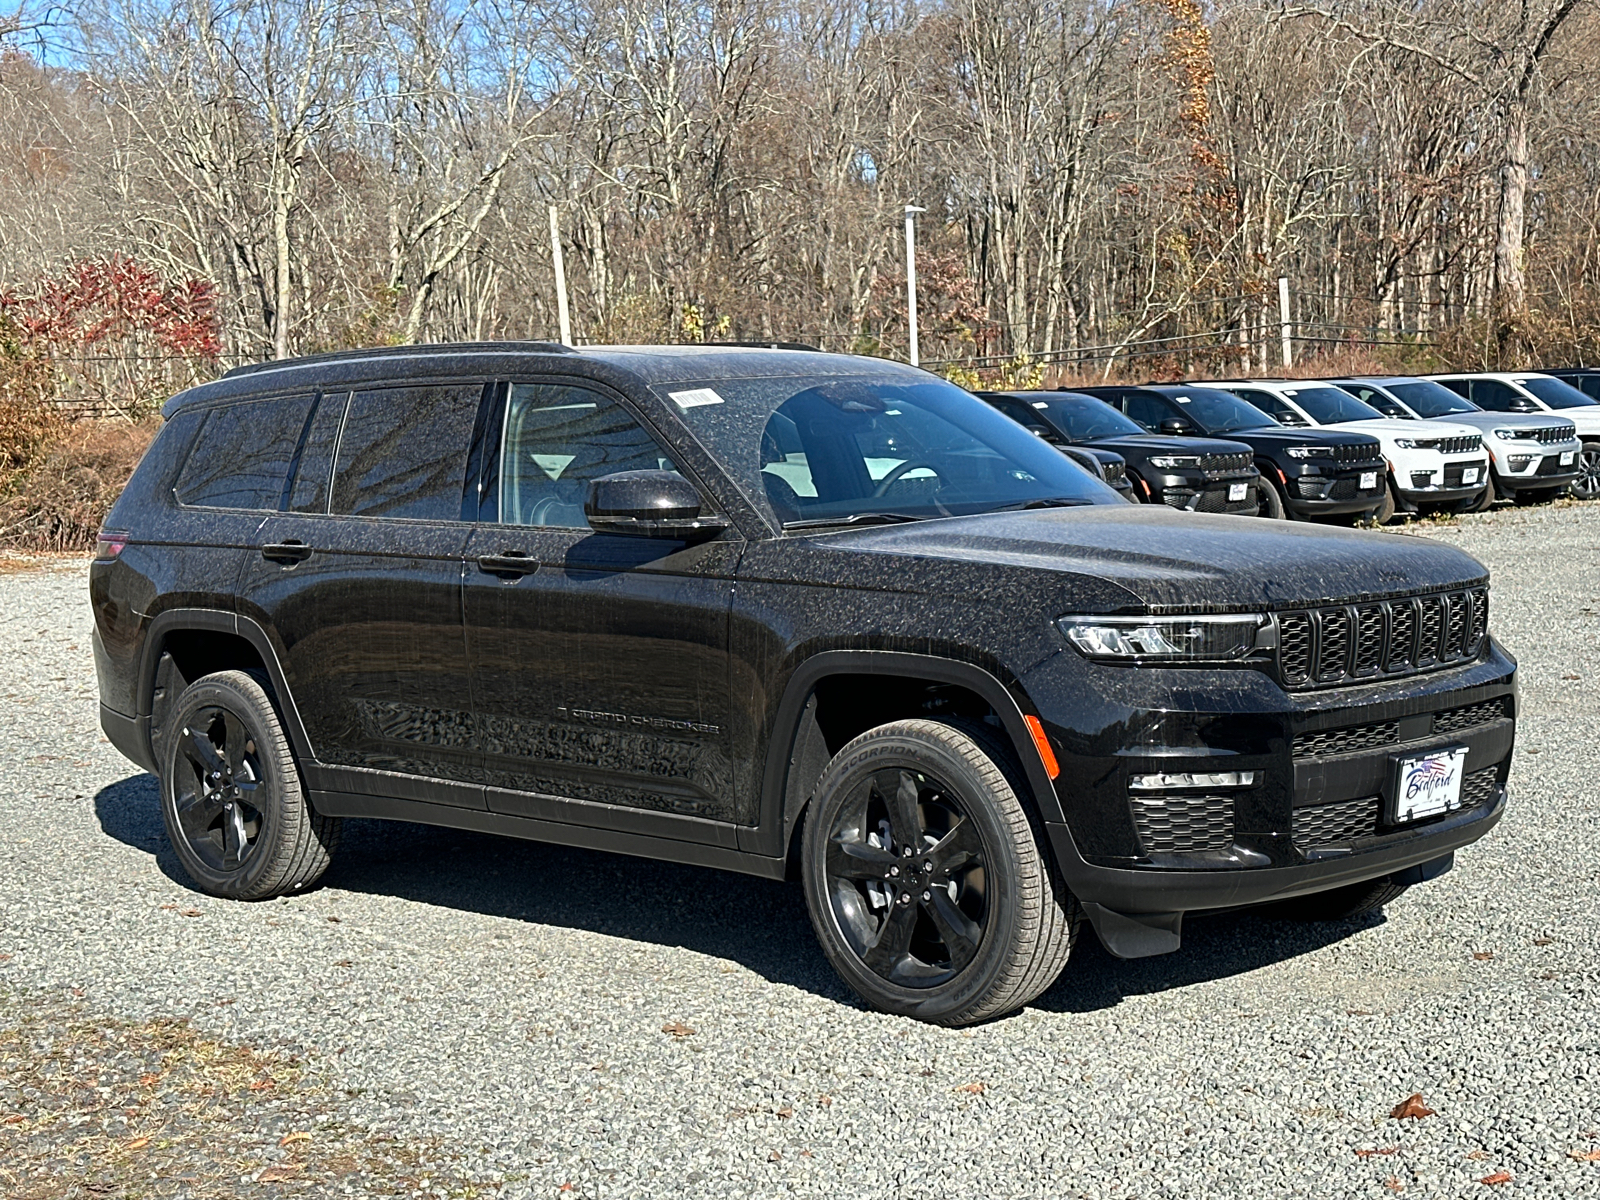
1353 454
1226 462
1116 472
1326 646
1453 445
1547 434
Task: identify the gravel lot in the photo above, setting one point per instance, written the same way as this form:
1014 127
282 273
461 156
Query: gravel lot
507 999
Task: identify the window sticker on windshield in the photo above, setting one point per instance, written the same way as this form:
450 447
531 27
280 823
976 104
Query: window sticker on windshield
695 398
1181 399
1040 404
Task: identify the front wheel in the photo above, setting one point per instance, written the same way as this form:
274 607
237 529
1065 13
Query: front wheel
925 879
1587 485
1268 503
1486 498
231 796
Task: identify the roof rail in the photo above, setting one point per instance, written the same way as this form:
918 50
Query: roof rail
401 352
762 345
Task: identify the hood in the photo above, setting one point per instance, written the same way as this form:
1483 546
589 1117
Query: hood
1391 427
1152 443
1143 557
1282 435
1483 422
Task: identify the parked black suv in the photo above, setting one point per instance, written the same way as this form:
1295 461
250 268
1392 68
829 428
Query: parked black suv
780 612
1197 475
1310 472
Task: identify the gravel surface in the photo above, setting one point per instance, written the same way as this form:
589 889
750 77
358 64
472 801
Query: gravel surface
508 1000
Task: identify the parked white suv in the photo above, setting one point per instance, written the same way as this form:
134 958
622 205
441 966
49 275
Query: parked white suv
1446 467
1520 445
1535 392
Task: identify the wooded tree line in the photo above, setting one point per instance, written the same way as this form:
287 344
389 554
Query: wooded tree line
1096 173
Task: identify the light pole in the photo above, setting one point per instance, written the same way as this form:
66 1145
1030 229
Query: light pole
563 318
911 276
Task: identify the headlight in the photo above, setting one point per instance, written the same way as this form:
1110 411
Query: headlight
1506 435
1406 443
1168 462
1310 452
1170 639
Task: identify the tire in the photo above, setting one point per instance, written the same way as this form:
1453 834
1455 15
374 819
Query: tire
252 836
1346 903
1384 513
1269 502
986 922
1139 494
1587 485
1486 498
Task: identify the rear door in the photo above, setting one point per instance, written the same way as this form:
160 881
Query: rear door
360 581
600 661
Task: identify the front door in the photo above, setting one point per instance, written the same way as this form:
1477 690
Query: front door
599 661
361 580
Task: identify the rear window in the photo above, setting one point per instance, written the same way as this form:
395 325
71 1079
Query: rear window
241 457
403 452
1555 393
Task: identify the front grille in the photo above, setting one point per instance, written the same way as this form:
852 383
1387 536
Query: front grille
1226 462
1349 456
1340 643
1453 445
1547 435
1351 738
1116 473
1479 787
1552 466
1183 824
1472 715
1341 821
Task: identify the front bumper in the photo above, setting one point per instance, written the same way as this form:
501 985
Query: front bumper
1209 492
1335 492
1441 486
1533 465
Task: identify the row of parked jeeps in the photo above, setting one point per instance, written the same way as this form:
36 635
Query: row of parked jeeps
1356 449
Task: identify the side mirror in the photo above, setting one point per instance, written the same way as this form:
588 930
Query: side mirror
1292 419
658 504
1523 405
1177 427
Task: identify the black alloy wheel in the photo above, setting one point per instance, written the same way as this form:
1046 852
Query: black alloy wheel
926 874
231 797
1587 485
1269 503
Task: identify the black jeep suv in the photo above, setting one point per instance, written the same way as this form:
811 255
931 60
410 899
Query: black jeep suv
1206 475
1309 472
778 611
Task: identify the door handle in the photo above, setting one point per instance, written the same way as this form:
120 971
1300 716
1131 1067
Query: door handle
287 552
510 565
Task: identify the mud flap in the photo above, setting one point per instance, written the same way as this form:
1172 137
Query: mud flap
1136 935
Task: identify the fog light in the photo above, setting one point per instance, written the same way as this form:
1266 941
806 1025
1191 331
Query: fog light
1166 781
1518 461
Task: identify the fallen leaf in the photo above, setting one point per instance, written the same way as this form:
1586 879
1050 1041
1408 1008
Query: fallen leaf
1478 1155
1373 1153
225 1003
1483 955
5 958
1585 1155
565 1187
1393 1184
149 1080
138 1143
14 1119
262 1085
805 1154
774 1157
78 992
678 1029
282 1171
825 1101
333 920
785 1113
344 962
169 908
1411 1108
1542 941
1497 1178
977 1088
290 1138
188 912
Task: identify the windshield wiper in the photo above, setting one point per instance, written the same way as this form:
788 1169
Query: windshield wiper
1046 502
869 518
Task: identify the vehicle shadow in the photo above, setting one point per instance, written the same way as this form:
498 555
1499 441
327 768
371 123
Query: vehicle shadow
758 923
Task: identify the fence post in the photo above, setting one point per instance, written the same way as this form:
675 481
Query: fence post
562 315
911 278
1283 319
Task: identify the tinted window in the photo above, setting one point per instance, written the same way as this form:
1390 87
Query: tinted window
1429 399
1025 415
1556 393
314 471
558 438
403 452
1216 411
1331 405
241 458
1590 385
1272 405
1085 418
1384 404
1493 395
1459 386
1147 409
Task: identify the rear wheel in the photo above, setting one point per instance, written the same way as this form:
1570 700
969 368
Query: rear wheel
1343 904
1587 485
231 796
925 878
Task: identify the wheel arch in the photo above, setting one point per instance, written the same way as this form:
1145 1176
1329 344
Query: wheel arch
798 751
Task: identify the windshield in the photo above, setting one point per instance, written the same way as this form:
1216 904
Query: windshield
1555 393
1087 418
1331 405
1429 399
818 448
1219 412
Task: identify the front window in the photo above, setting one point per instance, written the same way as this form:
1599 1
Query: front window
1216 411
840 449
1429 399
1555 393
1085 419
1331 405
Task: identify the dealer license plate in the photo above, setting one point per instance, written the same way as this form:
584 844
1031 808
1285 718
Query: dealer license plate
1428 784
1369 479
1568 457
1237 491
1469 475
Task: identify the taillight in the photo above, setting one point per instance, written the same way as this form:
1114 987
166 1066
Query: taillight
109 545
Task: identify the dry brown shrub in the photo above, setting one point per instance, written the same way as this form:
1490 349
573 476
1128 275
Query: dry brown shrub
59 500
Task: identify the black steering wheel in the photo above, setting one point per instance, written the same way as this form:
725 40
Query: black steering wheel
893 477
